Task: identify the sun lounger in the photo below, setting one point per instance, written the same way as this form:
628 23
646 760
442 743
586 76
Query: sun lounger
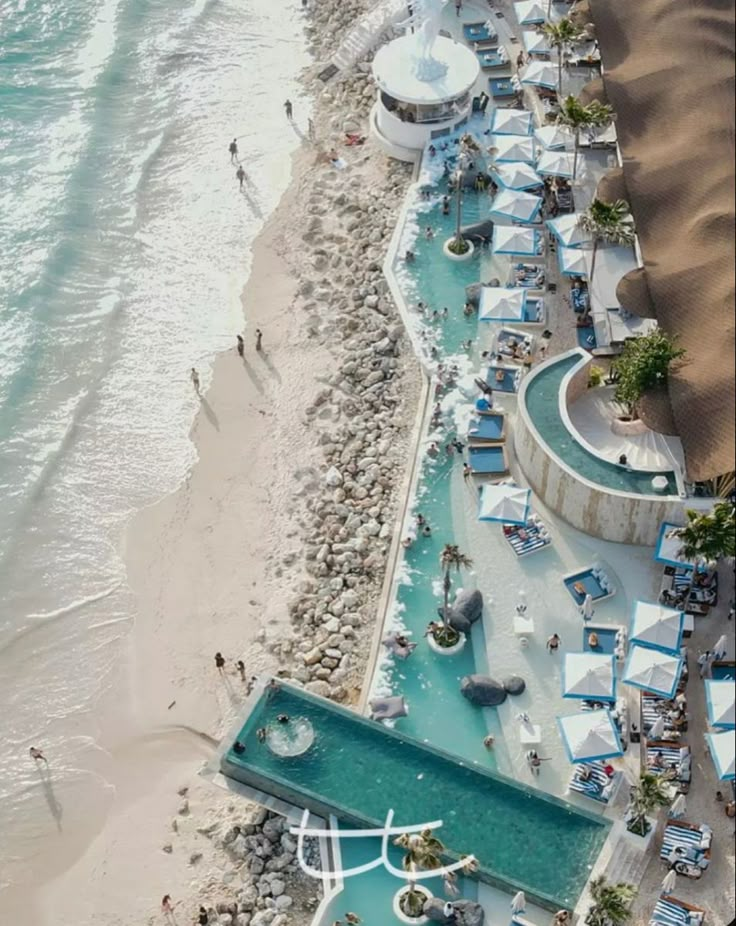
492 59
515 346
671 912
529 276
564 199
599 786
694 841
531 538
479 33
488 461
487 429
652 708
676 760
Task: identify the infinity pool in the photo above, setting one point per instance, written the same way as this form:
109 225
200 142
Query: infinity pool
542 404
359 770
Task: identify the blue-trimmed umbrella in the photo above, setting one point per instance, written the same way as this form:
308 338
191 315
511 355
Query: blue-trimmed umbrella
506 503
530 12
510 239
589 675
720 698
722 747
555 163
536 43
506 148
517 175
516 206
568 231
572 262
589 735
540 74
669 549
502 304
657 626
652 670
512 122
554 136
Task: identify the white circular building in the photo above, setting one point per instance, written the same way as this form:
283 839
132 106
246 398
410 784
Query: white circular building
424 92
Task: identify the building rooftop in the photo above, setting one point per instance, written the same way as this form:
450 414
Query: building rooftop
394 75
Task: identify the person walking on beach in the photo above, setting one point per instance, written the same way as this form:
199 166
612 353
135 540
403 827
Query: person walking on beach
240 174
37 755
289 109
167 906
241 344
240 666
220 663
233 149
195 380
259 339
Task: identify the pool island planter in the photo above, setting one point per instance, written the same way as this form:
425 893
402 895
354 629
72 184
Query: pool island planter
447 650
451 255
404 917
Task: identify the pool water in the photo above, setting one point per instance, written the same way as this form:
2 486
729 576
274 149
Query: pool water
542 404
359 771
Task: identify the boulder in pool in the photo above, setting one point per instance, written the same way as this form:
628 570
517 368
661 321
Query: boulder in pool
483 690
434 910
472 294
514 685
468 913
469 604
455 619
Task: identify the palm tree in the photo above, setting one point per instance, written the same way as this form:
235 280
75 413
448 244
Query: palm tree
575 116
561 35
708 536
649 794
422 852
607 222
451 558
468 149
611 903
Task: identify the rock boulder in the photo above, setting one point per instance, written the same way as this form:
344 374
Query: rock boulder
469 604
483 690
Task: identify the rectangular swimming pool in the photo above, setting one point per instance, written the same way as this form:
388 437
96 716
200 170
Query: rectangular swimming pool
359 770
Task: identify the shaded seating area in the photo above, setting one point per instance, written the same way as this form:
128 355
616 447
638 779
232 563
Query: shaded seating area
670 758
491 59
693 842
672 912
488 428
596 780
530 276
488 461
515 346
480 34
529 538
671 717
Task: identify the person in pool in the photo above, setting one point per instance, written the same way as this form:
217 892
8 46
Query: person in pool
282 718
238 748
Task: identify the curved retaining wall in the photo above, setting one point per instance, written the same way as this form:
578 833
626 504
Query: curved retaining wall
606 513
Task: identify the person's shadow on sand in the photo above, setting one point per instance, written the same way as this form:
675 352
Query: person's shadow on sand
210 414
269 363
255 378
57 811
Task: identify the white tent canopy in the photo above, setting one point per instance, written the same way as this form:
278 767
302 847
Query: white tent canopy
530 12
589 675
500 303
555 163
513 148
722 747
506 503
554 136
656 626
589 735
517 175
720 698
512 122
536 43
567 230
540 74
572 261
652 670
516 205
510 239
669 548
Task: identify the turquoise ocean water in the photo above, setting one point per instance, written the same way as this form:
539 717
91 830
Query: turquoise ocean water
125 247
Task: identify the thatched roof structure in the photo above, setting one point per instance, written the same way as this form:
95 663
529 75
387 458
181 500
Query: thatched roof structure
633 293
670 79
612 186
594 90
655 410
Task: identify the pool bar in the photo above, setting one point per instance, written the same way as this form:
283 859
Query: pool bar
358 770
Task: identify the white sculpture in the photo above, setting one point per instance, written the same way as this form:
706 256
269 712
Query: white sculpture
426 22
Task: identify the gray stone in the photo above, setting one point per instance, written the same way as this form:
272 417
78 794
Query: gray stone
514 685
434 911
469 913
469 604
483 690
455 619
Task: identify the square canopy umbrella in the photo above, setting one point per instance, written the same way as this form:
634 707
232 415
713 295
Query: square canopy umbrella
567 230
720 695
517 175
502 304
657 627
506 503
540 74
554 136
652 670
589 675
530 13
553 163
572 262
516 205
589 735
721 747
521 242
513 148
512 122
669 549
536 43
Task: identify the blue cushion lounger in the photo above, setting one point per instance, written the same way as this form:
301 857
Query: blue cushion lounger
478 32
724 670
599 786
488 429
671 912
488 461
675 756
492 58
652 708
695 841
501 87
535 537
606 638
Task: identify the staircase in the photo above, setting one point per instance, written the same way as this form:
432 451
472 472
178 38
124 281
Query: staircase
364 36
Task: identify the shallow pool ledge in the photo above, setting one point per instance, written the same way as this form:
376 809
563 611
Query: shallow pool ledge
609 513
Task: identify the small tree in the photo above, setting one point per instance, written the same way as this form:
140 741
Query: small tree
611 903
611 223
577 117
561 35
468 148
450 558
708 537
643 364
422 853
649 794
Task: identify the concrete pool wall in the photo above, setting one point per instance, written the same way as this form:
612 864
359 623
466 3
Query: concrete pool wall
623 517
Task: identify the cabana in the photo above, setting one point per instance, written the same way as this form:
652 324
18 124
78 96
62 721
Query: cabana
694 843
530 13
722 747
540 74
513 148
589 676
719 698
554 136
512 122
516 206
589 736
568 231
572 262
554 163
536 43
669 911
517 175
668 549
502 304
653 670
506 503
592 779
519 242
657 627
666 757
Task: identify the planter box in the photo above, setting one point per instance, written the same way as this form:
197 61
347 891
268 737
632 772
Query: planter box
399 913
447 650
458 257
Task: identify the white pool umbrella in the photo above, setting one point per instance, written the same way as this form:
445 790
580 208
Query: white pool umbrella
516 205
657 626
589 675
568 231
554 136
572 262
589 735
721 647
669 547
722 747
553 163
513 148
501 303
517 175
536 42
506 503
530 12
670 881
657 728
678 808
719 699
540 74
510 239
512 122
518 902
586 608
652 670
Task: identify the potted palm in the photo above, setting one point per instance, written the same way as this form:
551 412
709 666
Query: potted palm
443 638
578 117
611 903
459 248
649 794
708 537
422 852
562 35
